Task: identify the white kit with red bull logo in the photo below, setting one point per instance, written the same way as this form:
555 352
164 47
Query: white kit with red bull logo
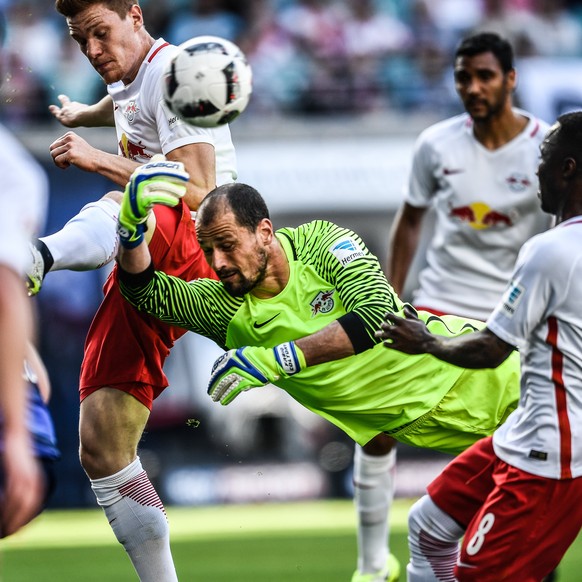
145 126
485 200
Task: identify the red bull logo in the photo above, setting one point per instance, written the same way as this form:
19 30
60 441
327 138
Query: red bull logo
132 151
480 216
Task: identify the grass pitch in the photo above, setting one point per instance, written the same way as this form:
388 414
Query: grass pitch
294 542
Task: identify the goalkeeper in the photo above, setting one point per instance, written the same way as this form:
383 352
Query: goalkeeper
299 308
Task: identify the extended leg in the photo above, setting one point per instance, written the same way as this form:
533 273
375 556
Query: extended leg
88 241
111 425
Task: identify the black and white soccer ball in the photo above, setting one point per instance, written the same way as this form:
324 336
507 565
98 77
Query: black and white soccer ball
208 82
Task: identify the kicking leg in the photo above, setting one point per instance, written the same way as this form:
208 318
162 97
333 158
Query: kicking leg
87 241
111 425
374 469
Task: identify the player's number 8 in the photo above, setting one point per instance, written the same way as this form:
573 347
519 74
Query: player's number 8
476 542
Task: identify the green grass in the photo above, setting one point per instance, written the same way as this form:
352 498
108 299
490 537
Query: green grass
295 542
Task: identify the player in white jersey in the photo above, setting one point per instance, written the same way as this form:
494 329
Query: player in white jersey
516 497
477 170
122 372
486 208
145 126
24 199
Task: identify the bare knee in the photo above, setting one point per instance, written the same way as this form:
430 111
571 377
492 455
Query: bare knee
99 461
111 424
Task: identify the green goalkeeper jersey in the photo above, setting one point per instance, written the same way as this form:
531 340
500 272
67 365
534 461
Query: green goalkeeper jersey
332 274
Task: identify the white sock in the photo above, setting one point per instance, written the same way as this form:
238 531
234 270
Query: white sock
89 240
373 495
433 541
138 519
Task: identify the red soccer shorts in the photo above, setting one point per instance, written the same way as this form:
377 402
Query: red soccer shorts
518 525
125 348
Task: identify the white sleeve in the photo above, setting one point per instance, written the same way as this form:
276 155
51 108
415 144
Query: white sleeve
528 296
421 182
174 132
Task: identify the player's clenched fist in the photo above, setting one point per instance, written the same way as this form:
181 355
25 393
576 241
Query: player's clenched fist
158 182
252 367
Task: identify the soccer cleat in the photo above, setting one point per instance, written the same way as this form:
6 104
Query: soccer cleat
41 262
390 572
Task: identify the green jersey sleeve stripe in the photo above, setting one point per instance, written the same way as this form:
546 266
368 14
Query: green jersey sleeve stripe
202 306
360 282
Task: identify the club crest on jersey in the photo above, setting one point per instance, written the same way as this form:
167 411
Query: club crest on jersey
323 302
512 298
346 250
130 111
518 182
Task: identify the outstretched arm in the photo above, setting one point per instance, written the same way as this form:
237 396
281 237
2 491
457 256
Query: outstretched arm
254 366
330 343
199 160
480 349
365 295
75 114
134 260
73 150
158 182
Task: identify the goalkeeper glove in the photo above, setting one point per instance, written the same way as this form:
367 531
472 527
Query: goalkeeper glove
157 182
252 367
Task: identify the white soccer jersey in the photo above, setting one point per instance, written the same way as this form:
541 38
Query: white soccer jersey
486 208
540 314
145 126
24 196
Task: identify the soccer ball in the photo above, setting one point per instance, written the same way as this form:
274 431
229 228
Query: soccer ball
208 82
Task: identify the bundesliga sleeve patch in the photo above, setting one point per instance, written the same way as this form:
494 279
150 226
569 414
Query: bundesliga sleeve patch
512 299
346 250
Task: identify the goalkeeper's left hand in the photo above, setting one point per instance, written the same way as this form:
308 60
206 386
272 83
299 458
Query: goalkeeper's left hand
158 182
252 367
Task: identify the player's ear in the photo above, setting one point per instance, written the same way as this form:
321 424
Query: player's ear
570 167
136 16
265 231
510 80
511 77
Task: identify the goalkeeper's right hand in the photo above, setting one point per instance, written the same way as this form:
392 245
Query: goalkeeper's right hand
158 182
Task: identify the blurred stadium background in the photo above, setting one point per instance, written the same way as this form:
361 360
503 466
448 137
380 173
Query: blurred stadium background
341 90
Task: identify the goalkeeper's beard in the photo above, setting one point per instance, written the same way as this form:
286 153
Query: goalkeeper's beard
244 284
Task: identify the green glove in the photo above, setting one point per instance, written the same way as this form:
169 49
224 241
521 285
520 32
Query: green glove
157 182
252 367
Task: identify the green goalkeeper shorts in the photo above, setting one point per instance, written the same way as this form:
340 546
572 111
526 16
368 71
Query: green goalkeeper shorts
477 404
